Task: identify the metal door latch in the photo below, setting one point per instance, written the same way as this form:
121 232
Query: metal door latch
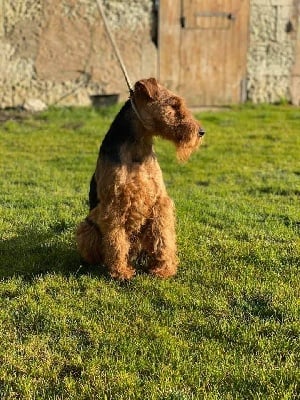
219 14
208 14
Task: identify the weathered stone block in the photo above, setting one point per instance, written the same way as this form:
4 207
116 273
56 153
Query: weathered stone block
34 105
272 50
295 90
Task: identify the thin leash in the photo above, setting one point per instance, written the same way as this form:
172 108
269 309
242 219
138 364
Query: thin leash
120 60
114 46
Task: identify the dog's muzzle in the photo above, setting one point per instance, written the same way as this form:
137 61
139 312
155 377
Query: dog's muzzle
201 132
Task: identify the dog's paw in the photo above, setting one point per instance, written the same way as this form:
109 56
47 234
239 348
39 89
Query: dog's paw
125 274
163 271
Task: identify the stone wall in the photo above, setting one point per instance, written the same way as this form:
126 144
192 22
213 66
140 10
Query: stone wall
58 51
295 79
272 49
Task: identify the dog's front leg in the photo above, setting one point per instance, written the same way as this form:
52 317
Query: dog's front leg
116 247
159 239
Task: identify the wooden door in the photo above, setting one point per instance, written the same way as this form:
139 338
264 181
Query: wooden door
203 49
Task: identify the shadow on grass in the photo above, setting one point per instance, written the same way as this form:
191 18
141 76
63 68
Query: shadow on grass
35 252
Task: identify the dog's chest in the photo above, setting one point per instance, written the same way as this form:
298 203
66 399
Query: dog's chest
129 192
141 188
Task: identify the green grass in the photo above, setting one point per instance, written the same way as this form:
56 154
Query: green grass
226 327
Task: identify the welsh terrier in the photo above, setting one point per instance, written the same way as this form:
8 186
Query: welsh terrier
131 213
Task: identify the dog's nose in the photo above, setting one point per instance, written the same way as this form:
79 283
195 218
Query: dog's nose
201 132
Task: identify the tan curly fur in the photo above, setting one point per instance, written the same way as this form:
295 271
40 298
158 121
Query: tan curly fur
130 210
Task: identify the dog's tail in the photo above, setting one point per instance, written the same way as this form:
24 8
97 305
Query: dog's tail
89 241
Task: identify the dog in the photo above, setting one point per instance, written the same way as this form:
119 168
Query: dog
131 214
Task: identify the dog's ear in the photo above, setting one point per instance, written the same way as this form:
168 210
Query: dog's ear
149 87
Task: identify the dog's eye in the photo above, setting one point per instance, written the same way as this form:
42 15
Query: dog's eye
201 132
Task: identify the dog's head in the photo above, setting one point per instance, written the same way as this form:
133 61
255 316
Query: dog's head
165 114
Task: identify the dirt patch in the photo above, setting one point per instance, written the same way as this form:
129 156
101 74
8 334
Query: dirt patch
13 115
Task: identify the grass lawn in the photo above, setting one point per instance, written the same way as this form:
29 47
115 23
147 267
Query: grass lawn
226 327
